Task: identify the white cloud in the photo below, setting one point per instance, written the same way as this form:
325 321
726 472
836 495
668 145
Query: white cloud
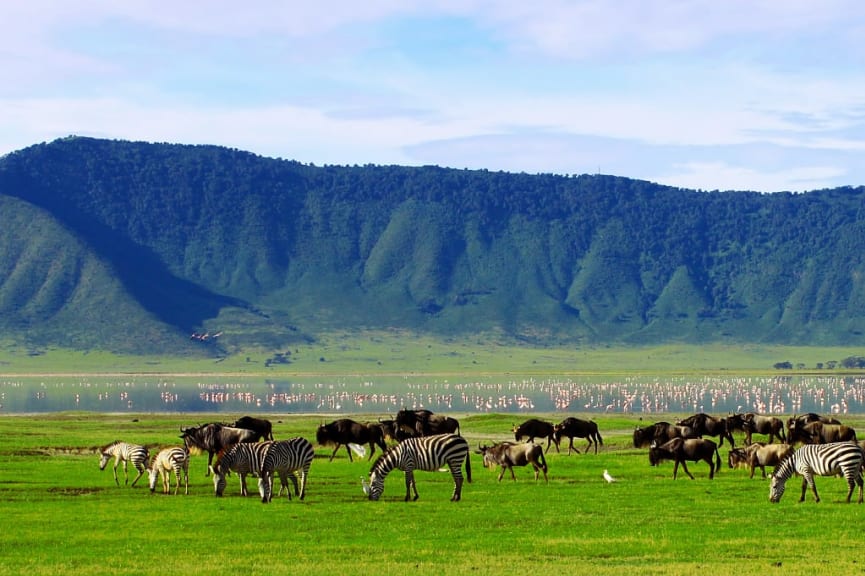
695 93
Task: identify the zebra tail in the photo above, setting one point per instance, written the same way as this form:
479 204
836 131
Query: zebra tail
468 468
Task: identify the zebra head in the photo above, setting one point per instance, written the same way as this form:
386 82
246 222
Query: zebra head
153 476
376 485
776 489
103 460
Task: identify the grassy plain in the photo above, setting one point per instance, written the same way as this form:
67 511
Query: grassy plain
62 515
400 353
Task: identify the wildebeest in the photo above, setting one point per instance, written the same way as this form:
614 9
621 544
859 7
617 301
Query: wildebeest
412 421
389 430
737 458
660 432
753 423
346 431
705 425
820 433
534 428
260 425
577 428
507 455
681 450
214 437
767 455
798 421
426 423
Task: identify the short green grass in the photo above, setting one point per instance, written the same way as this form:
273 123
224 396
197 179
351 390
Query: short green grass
400 353
62 515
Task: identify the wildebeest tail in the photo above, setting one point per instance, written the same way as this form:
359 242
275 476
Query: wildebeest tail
718 460
543 461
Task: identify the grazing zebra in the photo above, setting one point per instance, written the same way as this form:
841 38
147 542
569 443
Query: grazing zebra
125 452
822 460
422 453
288 458
175 458
243 458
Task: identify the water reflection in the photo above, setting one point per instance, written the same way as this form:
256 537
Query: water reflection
628 394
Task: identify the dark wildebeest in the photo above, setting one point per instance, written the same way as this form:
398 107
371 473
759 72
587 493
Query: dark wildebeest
507 455
214 437
389 430
753 423
706 425
345 431
768 455
413 422
260 425
534 428
440 424
681 450
577 428
660 432
820 433
795 422
425 423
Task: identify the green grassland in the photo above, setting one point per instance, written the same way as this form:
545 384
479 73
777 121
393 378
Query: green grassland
398 353
62 515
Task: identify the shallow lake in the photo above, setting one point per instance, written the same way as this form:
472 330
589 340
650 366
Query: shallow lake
385 395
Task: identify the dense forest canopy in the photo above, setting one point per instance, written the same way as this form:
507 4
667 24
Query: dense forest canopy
131 246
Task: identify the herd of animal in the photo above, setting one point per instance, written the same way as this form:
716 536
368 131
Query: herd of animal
828 448
421 440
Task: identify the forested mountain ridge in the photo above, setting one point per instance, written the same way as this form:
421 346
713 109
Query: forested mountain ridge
132 246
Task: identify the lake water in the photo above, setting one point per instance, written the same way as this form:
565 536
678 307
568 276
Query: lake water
385 395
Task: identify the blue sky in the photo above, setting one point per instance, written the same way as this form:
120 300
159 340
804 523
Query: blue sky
711 95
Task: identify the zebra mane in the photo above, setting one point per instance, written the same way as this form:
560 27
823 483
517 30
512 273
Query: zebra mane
382 456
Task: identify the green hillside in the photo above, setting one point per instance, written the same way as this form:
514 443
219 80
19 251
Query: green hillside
132 247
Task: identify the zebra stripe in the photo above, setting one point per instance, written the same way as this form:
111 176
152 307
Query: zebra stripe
244 458
289 459
821 460
422 453
170 459
126 453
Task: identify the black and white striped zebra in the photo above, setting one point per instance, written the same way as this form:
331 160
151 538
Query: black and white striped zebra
125 452
821 460
422 453
174 459
288 459
243 458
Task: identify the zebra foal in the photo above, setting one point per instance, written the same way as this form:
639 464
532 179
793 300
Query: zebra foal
126 453
288 459
174 459
422 453
821 460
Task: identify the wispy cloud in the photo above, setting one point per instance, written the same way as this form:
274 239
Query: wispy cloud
758 95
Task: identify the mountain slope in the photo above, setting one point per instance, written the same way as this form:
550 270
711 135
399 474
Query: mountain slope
195 238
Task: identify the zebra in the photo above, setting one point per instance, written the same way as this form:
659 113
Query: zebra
287 458
422 453
823 460
126 453
175 458
243 458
